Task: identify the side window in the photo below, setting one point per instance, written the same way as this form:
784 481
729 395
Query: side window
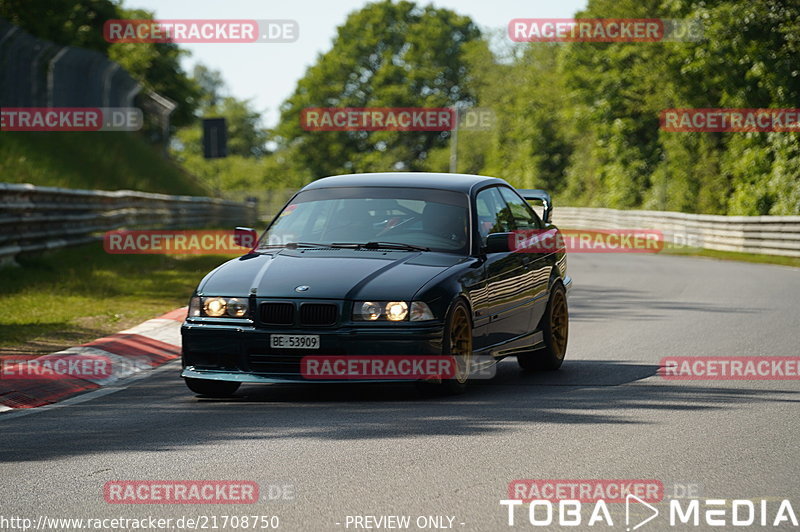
494 216
524 216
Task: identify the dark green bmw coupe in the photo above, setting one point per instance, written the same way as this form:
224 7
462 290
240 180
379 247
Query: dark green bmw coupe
389 265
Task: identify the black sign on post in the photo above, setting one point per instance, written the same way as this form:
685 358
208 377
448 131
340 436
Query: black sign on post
215 138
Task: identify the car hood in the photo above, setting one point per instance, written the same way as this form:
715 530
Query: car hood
328 274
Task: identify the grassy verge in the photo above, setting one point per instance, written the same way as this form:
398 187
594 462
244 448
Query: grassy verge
96 160
733 255
74 295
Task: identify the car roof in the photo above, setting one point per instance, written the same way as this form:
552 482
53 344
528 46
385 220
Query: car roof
442 181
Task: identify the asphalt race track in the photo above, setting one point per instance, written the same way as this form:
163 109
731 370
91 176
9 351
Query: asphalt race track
378 451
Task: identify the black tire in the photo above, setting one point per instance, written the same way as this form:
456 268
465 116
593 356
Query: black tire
458 338
555 329
212 388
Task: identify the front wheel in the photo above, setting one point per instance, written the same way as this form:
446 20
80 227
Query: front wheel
212 388
458 344
555 330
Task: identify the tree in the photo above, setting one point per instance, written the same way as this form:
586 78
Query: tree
157 66
385 55
76 23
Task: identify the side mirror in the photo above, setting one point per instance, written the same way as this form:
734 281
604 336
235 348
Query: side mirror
499 242
245 237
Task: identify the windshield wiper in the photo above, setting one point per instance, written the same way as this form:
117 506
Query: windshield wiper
381 245
295 245
347 245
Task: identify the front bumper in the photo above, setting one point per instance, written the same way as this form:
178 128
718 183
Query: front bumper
242 353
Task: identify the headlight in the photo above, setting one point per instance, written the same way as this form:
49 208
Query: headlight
237 308
396 310
391 311
371 311
214 306
217 307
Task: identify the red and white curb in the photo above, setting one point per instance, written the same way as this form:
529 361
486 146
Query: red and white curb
141 348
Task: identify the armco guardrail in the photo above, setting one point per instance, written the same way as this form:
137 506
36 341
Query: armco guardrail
34 218
768 235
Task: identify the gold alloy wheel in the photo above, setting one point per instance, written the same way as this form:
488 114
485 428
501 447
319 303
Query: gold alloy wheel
559 323
461 343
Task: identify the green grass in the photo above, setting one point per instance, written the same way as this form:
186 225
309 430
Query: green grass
92 160
732 255
74 295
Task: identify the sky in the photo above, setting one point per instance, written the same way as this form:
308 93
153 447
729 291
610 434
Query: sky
267 73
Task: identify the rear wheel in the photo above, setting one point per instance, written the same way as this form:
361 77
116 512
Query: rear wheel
555 329
212 388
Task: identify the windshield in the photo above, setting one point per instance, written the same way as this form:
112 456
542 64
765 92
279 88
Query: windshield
427 218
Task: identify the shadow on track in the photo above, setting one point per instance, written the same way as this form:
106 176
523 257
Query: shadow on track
160 414
599 304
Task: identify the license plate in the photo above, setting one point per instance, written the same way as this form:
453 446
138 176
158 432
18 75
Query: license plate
294 341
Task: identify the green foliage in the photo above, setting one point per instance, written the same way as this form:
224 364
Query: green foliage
98 294
246 137
582 119
385 55
157 66
246 167
76 23
579 119
80 23
92 160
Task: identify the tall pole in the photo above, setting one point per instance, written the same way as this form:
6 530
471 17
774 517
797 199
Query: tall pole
454 146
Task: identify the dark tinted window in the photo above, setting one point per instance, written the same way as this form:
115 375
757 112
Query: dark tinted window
436 219
523 215
493 214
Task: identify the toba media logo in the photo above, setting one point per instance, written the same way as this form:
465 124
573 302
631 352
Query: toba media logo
572 503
